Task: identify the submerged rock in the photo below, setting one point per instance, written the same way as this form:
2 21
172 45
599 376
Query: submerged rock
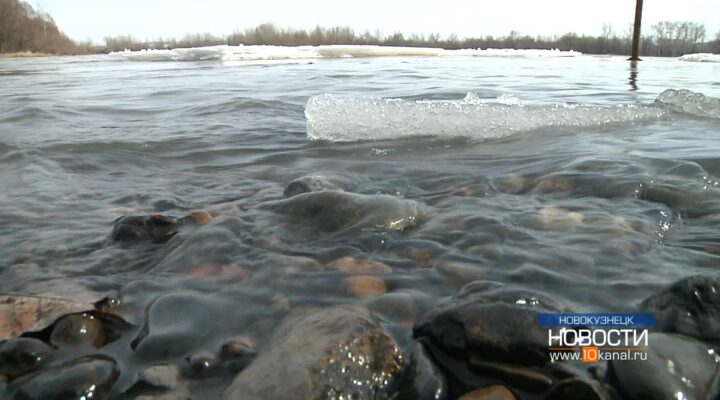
311 183
157 228
164 376
331 211
423 379
339 351
498 332
362 286
495 392
84 378
199 218
489 322
690 306
353 265
79 329
22 355
578 389
677 367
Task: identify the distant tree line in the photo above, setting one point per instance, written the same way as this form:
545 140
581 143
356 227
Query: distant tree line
664 39
23 29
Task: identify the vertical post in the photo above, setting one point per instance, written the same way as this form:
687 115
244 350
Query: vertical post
636 32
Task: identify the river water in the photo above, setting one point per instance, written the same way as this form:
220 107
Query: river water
598 215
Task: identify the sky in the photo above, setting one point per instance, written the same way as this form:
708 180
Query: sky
151 19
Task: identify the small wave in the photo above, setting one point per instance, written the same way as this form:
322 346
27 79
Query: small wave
284 54
336 118
688 102
700 57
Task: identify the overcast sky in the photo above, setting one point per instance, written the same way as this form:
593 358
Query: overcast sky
95 19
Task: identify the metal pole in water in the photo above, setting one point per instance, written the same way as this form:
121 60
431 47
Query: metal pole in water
636 32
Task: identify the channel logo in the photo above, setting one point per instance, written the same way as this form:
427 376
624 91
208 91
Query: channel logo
591 338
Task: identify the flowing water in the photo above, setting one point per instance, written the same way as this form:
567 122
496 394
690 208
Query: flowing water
560 175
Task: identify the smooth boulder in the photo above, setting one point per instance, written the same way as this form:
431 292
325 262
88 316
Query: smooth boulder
677 367
690 306
326 353
332 211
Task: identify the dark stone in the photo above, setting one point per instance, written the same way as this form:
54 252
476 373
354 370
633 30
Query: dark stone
84 378
578 389
423 380
203 365
690 306
22 355
677 367
523 378
78 330
238 353
306 184
156 228
488 328
327 353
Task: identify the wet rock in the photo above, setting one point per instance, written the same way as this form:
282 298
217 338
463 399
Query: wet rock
463 191
238 353
337 211
363 286
157 228
199 218
20 314
495 392
555 217
578 389
399 307
177 323
677 367
3 383
424 380
490 322
22 355
203 365
531 380
690 306
345 353
164 376
307 184
353 265
218 273
459 271
77 330
180 392
84 378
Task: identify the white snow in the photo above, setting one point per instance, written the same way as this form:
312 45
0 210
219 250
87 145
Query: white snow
701 57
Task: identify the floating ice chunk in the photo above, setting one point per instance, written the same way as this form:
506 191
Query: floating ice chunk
688 102
701 57
530 53
278 53
337 118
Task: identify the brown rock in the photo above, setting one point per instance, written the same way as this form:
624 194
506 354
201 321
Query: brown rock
463 191
321 354
201 217
353 265
218 273
496 392
363 286
79 329
20 314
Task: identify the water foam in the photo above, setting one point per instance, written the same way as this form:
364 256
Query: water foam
340 118
243 54
701 57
